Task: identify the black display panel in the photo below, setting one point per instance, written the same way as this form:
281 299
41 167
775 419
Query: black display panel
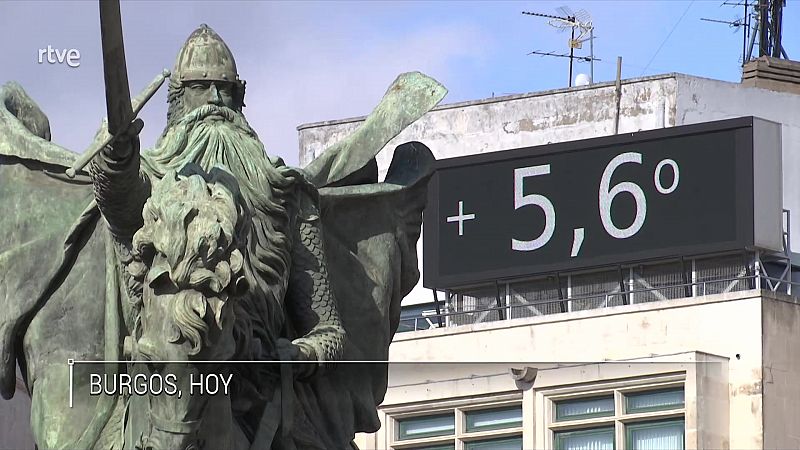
620 199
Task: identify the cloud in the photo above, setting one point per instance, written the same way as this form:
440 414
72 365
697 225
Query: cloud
309 82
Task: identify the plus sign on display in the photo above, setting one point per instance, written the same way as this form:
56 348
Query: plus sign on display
674 192
460 218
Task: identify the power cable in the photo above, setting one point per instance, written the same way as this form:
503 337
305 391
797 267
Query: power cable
667 38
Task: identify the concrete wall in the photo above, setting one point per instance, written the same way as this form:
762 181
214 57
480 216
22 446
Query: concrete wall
705 379
725 325
509 122
703 376
758 337
579 113
712 405
703 100
503 123
781 324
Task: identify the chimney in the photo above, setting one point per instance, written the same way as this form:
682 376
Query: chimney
775 74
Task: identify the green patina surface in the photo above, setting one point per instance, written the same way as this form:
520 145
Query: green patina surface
172 254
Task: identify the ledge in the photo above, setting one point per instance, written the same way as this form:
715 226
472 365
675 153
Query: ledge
593 313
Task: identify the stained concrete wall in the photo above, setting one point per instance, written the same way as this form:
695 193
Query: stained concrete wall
704 377
764 408
579 113
570 114
703 100
509 122
752 407
781 368
712 405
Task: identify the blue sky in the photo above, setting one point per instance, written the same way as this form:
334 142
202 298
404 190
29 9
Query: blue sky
313 61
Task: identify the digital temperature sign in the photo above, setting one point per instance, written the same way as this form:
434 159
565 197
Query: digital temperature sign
671 192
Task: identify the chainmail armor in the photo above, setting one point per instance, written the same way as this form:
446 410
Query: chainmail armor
311 303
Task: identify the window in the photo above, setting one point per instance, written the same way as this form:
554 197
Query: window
418 317
585 408
489 426
594 439
427 426
629 418
652 435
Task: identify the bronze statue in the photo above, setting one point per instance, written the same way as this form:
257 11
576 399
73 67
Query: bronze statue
202 251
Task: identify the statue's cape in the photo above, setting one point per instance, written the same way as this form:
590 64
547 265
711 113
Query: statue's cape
370 230
37 213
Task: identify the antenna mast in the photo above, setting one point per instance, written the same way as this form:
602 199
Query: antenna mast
763 19
770 28
579 21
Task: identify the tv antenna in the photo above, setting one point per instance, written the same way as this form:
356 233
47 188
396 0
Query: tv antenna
580 21
762 19
770 28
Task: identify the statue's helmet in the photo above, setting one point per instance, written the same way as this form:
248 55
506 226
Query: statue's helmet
206 57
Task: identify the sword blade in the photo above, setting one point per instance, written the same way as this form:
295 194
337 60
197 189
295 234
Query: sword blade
115 71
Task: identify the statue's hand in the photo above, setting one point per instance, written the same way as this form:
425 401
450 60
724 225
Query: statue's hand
126 143
297 351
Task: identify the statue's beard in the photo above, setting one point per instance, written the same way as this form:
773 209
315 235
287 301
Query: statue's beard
216 136
209 136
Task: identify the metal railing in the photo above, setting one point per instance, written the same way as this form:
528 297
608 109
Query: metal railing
450 317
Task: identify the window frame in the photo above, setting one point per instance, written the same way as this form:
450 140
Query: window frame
398 433
629 428
467 410
459 408
652 408
621 419
596 415
556 436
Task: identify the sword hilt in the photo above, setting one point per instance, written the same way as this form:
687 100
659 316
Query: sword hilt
136 104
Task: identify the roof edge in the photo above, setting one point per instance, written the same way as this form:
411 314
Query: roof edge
490 100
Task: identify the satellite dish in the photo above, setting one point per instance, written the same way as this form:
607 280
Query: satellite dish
583 80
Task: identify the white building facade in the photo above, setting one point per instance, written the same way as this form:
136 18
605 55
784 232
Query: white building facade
692 353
